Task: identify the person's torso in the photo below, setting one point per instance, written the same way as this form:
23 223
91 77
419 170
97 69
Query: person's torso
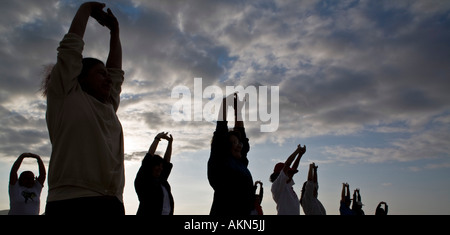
25 201
87 148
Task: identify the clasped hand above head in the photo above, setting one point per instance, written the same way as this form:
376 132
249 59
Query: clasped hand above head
300 149
104 18
164 135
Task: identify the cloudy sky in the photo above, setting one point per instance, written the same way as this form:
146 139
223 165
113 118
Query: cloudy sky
363 84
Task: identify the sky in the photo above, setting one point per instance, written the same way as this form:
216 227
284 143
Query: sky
363 84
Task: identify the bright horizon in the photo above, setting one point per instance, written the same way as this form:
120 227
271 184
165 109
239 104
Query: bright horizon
363 84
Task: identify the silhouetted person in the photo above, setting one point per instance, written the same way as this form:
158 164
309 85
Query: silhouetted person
380 210
228 175
86 171
25 191
282 184
151 185
357 203
310 191
344 208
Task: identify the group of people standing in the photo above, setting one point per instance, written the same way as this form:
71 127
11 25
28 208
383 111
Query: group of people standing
86 169
356 207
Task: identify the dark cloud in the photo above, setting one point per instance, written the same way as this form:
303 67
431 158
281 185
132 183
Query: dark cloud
21 134
341 66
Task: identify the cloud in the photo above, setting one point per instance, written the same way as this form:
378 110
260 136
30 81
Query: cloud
342 68
23 133
427 144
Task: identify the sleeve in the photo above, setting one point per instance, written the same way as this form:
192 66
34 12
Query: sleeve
217 159
142 177
219 138
117 76
167 168
277 185
63 77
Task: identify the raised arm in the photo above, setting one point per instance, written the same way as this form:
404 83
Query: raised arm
310 172
299 151
359 194
168 153
13 177
315 173
344 186
155 143
42 172
238 105
297 160
115 47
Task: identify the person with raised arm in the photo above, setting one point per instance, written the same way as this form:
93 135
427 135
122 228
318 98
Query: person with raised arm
25 190
380 210
344 208
228 173
357 203
86 170
282 183
151 185
310 191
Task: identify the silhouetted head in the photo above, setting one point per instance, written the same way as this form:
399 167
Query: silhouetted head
276 171
380 211
155 163
26 179
95 79
235 144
